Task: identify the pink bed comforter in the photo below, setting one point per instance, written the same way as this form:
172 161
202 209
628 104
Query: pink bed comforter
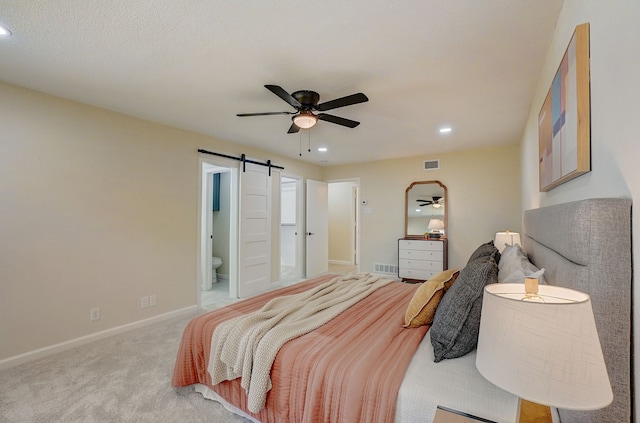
348 370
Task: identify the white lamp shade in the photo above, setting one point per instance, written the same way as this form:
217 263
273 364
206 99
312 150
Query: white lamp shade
436 224
546 352
506 238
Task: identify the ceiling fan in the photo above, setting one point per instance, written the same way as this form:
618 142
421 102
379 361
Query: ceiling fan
435 201
306 103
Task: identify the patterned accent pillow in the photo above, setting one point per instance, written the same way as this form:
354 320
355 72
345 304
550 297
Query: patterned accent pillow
424 303
456 324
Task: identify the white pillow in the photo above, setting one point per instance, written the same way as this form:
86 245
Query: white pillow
511 254
514 266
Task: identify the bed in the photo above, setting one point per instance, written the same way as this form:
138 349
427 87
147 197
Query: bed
389 373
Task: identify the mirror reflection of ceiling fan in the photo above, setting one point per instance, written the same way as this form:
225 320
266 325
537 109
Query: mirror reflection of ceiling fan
306 102
435 202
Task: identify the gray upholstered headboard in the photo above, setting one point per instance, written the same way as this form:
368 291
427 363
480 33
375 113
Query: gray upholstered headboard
586 245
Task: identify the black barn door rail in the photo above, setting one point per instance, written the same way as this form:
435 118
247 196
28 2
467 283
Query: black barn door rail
242 159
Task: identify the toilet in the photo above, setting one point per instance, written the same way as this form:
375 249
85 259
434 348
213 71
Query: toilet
215 262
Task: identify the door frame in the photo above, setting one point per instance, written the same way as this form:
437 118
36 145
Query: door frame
355 217
206 166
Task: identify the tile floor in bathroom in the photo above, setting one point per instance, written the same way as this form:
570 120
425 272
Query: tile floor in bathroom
219 295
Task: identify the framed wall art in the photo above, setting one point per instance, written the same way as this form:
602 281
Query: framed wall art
564 122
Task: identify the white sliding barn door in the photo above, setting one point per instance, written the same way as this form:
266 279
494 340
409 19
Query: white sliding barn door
317 233
255 231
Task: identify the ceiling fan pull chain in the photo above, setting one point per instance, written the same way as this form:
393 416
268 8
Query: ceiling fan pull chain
300 143
309 132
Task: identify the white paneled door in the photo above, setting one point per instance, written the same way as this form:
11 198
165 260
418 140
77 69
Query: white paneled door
317 233
255 231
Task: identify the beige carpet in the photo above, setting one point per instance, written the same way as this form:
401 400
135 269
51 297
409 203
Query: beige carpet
125 378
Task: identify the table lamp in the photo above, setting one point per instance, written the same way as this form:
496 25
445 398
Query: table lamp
506 238
543 346
434 226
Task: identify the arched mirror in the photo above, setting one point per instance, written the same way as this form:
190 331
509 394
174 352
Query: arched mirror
425 209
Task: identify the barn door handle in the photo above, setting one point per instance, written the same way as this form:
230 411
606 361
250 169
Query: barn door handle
310 233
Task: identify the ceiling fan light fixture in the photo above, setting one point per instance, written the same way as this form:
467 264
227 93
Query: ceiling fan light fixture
305 120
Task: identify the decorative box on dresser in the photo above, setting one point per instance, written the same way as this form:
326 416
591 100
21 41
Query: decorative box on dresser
421 259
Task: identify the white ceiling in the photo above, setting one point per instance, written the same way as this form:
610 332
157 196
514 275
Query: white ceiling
194 64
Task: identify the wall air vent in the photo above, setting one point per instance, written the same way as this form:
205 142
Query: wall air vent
390 269
431 165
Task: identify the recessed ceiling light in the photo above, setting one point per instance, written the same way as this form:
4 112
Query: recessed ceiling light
445 129
418 210
4 32
322 149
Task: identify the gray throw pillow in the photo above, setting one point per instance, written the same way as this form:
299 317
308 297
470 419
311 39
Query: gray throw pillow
514 266
485 250
456 324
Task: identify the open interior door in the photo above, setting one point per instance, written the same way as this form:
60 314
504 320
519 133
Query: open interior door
317 224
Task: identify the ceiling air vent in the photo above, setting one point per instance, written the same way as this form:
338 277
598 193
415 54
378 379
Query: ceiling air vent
431 165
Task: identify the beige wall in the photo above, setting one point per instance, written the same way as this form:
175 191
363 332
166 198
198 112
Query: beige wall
615 106
481 200
97 209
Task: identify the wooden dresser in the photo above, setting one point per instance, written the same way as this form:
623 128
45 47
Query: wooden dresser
421 259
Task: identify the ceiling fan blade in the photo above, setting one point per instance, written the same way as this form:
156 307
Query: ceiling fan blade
293 129
265 114
280 92
338 120
341 102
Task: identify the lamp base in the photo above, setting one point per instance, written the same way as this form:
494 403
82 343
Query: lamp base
531 412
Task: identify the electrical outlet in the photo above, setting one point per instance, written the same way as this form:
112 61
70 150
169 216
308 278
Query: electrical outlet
145 302
153 300
94 314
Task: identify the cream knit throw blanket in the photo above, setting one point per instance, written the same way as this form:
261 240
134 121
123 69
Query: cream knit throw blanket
246 346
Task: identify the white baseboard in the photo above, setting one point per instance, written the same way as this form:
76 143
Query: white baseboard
67 345
341 262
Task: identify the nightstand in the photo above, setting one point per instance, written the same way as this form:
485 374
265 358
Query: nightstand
447 415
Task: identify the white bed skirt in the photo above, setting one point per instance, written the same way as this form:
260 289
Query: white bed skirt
209 394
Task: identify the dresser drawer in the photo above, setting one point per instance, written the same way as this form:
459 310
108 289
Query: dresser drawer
408 244
421 255
421 259
421 265
424 275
